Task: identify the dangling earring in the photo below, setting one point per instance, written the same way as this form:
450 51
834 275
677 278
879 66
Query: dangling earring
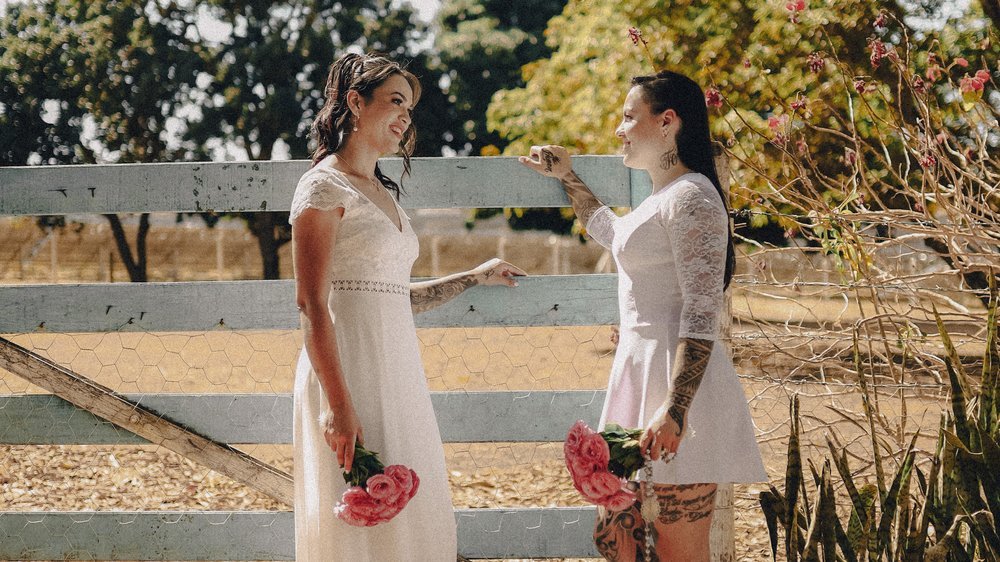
356 119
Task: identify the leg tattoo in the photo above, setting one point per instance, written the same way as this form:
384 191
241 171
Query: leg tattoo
620 536
687 502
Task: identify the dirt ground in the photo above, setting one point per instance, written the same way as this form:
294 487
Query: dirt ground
54 478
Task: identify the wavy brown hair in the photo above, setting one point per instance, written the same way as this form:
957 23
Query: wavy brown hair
333 124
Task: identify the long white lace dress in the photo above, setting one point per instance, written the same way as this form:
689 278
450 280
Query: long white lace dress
380 356
671 254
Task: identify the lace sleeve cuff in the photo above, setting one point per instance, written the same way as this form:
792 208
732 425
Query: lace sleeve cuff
600 226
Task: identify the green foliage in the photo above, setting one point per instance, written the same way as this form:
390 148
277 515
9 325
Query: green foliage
841 149
481 46
366 464
959 497
626 459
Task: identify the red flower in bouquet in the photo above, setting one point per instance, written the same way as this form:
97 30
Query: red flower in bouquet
377 493
600 463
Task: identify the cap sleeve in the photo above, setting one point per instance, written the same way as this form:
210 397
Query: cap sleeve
320 191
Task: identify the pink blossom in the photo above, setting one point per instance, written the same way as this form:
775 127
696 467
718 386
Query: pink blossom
983 76
802 147
879 51
933 73
358 508
636 36
960 61
816 62
880 21
972 88
384 488
600 485
927 160
850 156
575 436
794 8
860 86
713 98
800 102
620 501
919 86
595 449
746 63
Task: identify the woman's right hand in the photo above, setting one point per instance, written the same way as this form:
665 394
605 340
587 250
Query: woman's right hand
341 431
550 160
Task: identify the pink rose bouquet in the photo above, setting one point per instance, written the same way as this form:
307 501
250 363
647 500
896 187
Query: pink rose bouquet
601 463
377 493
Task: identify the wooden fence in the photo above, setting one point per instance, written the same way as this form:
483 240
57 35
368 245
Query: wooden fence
571 300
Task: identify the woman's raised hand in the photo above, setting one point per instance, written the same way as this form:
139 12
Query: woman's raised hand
498 272
550 160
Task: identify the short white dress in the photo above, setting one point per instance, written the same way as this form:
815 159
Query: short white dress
671 255
380 356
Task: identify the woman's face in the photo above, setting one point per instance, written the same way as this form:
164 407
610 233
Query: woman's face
386 115
646 136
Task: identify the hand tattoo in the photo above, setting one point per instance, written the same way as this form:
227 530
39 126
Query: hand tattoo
692 361
425 296
549 158
669 159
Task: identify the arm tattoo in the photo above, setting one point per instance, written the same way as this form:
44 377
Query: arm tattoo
431 294
692 360
585 203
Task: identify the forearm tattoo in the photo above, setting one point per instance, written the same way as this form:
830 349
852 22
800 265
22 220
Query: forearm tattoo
585 203
685 502
435 293
692 360
669 159
620 536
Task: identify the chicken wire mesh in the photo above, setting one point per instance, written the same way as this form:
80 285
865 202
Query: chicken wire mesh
796 316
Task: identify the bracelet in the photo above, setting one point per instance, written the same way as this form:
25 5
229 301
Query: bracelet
326 420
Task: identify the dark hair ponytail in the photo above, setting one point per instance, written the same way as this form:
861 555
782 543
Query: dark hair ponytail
671 90
333 124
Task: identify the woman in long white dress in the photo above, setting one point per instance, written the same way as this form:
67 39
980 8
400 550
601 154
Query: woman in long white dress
671 374
360 376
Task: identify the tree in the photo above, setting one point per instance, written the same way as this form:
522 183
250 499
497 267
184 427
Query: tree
122 67
574 97
482 45
267 78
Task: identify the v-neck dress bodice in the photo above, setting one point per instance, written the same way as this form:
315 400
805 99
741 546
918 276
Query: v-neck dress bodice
671 254
379 354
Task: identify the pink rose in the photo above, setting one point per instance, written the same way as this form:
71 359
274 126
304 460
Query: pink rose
402 476
595 449
600 485
575 436
581 467
983 76
960 61
620 501
358 508
384 488
416 484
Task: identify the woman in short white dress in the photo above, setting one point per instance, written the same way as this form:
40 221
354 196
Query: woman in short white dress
671 374
360 376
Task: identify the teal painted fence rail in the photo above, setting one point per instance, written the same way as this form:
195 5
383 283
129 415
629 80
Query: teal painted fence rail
267 305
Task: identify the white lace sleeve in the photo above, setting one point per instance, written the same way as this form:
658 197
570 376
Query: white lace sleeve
698 228
600 226
320 191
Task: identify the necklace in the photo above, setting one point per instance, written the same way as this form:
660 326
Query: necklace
372 179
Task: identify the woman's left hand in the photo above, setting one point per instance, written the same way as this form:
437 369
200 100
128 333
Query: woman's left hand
498 272
662 437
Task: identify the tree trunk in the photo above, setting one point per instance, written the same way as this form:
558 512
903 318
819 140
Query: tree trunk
992 10
135 265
